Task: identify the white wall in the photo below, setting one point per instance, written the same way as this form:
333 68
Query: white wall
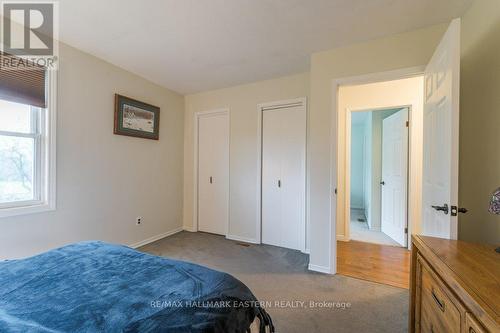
242 102
105 181
357 165
479 160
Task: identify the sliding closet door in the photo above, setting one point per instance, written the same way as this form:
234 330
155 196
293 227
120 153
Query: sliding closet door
213 173
283 177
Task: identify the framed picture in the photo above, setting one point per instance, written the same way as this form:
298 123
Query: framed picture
134 118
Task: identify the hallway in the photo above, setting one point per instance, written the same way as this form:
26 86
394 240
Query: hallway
361 232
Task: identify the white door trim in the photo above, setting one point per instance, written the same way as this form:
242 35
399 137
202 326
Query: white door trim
302 101
197 116
334 140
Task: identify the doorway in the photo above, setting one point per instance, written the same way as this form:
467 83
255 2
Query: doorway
379 176
433 149
379 152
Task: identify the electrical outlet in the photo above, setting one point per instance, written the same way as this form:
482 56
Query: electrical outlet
138 220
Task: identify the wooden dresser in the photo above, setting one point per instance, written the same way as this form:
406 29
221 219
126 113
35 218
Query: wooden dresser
454 287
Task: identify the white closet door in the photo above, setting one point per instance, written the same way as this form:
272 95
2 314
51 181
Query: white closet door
213 173
283 177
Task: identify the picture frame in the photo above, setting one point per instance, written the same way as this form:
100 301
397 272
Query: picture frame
135 118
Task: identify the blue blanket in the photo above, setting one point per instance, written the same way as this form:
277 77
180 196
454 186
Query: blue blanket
99 287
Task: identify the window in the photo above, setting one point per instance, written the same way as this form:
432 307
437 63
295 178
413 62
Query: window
27 149
19 138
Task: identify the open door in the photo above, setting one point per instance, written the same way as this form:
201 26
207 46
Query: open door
395 176
440 145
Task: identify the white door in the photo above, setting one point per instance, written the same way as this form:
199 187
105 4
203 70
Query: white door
440 147
213 173
394 176
283 177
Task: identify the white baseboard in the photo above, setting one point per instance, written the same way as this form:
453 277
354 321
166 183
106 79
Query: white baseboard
306 251
243 239
342 238
189 229
320 269
155 238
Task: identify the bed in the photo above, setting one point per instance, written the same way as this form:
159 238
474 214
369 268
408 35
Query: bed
100 287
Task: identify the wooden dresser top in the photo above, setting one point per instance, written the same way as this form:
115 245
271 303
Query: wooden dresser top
470 270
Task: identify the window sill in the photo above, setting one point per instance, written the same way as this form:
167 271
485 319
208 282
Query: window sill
26 210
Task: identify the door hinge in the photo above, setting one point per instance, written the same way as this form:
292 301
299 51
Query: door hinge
406 230
407 123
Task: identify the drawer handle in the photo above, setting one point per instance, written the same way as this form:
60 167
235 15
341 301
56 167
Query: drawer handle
438 302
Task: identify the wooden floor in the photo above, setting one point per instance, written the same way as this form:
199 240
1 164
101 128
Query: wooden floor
373 262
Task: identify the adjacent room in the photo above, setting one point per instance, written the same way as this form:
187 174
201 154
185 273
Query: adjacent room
379 159
249 166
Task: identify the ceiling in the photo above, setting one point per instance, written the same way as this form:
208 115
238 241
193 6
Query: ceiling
197 45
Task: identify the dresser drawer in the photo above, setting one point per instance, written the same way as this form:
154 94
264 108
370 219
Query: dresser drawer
471 325
438 313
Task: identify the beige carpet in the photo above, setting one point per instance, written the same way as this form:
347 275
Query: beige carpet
277 274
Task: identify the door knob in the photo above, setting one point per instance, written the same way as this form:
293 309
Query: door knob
382 183
279 182
445 209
